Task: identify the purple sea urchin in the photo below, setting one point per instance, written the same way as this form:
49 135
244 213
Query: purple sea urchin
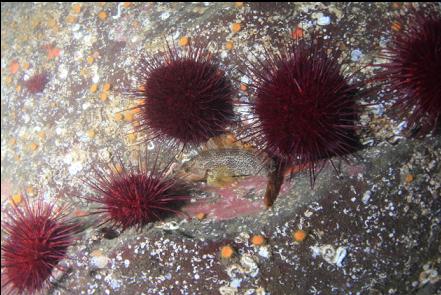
186 98
37 83
413 70
305 109
134 198
37 240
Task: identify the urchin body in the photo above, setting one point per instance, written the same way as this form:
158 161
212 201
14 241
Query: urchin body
136 198
37 83
38 239
413 71
305 107
186 98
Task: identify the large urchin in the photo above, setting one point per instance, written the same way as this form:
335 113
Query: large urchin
135 197
38 236
305 109
413 70
185 97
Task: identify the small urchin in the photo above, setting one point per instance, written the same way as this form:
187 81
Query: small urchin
185 97
38 236
413 70
129 198
37 83
305 108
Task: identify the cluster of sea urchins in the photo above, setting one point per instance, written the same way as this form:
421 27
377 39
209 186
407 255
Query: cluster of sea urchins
306 109
305 112
38 236
186 98
413 70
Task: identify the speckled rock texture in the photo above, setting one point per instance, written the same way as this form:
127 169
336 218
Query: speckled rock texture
372 223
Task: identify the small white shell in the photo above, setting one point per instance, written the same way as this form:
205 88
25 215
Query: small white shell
324 21
244 79
307 213
340 256
242 238
265 251
235 270
126 263
227 290
235 283
249 265
315 251
328 253
150 146
366 196
104 155
99 262
165 15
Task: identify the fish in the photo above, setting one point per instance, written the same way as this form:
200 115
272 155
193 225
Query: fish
229 162
221 167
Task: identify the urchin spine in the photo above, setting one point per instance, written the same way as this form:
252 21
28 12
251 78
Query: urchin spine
38 236
186 97
133 198
305 110
412 70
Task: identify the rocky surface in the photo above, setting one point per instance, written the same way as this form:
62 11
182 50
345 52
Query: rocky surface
369 230
373 226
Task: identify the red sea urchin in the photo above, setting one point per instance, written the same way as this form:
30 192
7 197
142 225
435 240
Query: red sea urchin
186 98
37 240
305 109
413 70
136 198
37 83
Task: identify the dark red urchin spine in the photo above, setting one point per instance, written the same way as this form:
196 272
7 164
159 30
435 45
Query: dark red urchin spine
305 109
136 198
413 70
186 98
37 240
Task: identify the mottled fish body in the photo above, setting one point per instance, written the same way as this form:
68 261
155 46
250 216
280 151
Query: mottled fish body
239 162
